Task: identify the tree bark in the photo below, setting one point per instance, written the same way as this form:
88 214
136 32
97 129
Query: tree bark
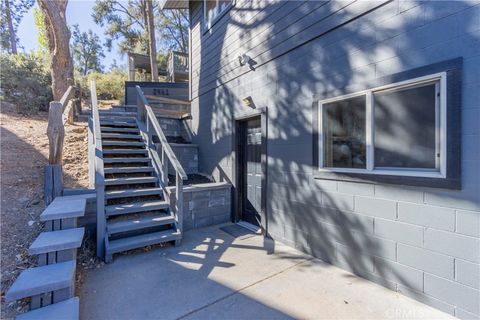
151 40
11 31
58 35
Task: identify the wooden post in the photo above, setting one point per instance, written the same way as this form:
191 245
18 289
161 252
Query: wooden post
55 133
179 193
164 167
78 102
53 182
131 69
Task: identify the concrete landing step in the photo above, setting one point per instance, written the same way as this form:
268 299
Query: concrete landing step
134 180
141 192
122 129
143 240
119 209
68 309
123 143
128 170
35 281
124 151
121 136
64 208
125 160
57 241
106 123
152 220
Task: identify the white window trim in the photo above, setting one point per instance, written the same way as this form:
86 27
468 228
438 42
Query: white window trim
441 128
209 23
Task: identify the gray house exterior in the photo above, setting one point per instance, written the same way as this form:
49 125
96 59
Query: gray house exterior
396 199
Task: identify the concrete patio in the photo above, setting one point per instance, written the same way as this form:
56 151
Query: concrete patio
213 275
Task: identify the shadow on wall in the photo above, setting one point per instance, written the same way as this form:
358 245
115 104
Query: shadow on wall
341 60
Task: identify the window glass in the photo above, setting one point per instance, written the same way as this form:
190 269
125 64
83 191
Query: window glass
344 133
404 127
211 7
223 4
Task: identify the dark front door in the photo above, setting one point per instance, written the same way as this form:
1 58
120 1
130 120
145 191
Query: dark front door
252 171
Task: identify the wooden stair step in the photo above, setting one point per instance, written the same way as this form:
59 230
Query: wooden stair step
121 136
124 151
64 208
121 129
35 281
119 209
67 309
123 143
125 160
151 220
129 193
143 240
57 240
105 123
133 180
117 113
127 170
115 118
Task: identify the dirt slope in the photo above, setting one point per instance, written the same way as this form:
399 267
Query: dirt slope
23 155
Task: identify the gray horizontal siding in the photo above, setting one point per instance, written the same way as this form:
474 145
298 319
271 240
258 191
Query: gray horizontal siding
414 240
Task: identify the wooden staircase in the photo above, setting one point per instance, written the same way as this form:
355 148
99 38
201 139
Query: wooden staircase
51 285
137 214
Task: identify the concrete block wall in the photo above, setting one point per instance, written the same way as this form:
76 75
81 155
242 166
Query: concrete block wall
205 204
422 242
187 154
173 128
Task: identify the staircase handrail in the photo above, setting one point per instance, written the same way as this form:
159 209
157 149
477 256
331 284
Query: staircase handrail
143 104
147 118
99 172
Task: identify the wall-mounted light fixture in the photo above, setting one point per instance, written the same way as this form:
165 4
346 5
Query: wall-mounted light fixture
244 59
248 102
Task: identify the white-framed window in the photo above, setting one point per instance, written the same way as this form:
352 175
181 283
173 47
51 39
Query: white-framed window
212 9
396 129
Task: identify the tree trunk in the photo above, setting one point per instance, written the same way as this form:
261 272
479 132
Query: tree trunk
151 40
58 35
11 31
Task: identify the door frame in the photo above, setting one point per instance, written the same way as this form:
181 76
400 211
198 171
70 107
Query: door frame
239 193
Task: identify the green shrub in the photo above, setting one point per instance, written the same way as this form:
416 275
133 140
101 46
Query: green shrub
25 82
110 85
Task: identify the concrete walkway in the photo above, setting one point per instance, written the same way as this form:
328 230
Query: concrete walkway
215 276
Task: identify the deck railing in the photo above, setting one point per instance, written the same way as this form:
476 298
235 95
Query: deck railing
177 62
161 153
96 159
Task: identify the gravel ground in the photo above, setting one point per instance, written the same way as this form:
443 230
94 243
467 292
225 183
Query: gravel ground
23 153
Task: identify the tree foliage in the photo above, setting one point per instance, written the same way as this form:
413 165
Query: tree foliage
11 14
172 26
39 20
87 51
25 82
125 22
109 85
